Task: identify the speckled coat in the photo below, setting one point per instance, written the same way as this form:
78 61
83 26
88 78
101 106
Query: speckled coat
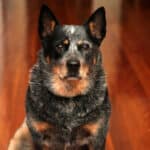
63 113
66 114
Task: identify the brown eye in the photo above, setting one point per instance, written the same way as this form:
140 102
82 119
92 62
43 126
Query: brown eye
59 48
84 46
62 46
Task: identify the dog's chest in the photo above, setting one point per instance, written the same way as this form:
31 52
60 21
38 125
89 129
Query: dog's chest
64 138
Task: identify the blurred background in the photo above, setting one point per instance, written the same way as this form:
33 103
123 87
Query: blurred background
126 58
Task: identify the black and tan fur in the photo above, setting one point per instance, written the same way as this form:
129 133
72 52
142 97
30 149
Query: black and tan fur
67 104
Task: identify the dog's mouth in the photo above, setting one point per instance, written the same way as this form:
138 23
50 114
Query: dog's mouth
71 77
69 85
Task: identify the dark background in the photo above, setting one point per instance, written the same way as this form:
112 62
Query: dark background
126 58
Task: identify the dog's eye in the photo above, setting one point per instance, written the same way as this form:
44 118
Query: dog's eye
60 48
84 46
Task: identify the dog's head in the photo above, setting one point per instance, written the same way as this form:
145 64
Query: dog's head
71 52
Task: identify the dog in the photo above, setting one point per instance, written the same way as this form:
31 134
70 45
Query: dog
67 102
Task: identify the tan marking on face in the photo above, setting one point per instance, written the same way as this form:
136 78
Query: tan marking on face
56 70
80 42
60 71
66 42
84 70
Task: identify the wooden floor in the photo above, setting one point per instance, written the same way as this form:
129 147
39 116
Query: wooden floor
126 57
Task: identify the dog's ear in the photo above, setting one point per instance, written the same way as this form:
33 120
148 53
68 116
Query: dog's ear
47 22
96 25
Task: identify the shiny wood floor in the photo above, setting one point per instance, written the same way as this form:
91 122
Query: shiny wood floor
126 57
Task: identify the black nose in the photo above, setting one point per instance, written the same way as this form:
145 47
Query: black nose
74 64
73 67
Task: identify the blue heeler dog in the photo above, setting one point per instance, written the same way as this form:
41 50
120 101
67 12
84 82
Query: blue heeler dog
67 104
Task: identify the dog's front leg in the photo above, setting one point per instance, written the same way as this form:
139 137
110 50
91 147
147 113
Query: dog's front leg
22 139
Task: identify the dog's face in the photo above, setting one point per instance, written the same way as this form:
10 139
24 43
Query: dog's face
71 52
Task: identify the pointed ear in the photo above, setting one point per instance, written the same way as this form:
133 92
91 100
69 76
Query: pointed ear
96 25
47 22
